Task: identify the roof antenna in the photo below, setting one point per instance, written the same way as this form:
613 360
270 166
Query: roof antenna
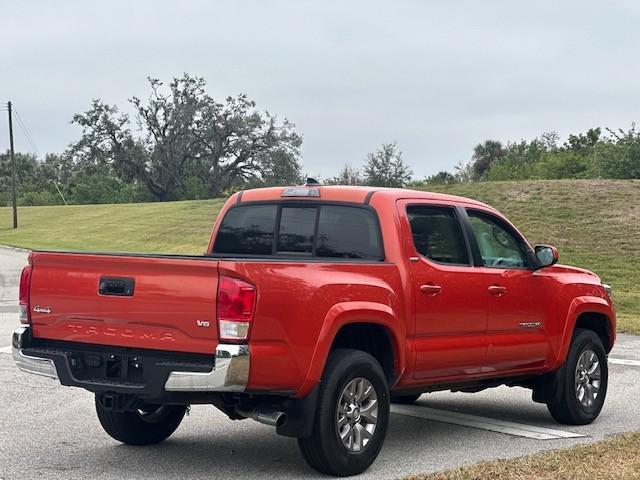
311 181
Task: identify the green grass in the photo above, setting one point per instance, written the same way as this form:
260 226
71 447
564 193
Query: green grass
595 224
173 227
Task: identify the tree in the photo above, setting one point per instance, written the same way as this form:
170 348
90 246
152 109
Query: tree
347 176
583 144
464 172
183 136
107 146
484 155
33 181
518 162
618 156
549 140
385 167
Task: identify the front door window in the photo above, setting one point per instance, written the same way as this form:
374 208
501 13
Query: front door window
499 247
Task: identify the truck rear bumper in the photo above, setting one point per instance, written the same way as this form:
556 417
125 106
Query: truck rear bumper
230 373
27 363
148 373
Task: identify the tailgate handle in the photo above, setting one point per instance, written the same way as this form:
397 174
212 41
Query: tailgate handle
122 287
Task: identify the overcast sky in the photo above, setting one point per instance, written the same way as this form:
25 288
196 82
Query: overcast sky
437 77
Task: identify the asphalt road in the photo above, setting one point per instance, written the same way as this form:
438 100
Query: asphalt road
48 431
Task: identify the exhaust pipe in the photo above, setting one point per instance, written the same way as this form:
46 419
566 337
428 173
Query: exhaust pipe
267 416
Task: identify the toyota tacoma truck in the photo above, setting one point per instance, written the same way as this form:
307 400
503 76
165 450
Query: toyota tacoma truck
313 309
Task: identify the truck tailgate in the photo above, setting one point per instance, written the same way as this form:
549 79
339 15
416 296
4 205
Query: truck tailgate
154 302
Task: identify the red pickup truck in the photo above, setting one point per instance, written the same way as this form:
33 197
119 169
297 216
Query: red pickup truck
313 308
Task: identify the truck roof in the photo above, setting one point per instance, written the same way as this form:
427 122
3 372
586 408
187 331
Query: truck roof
348 193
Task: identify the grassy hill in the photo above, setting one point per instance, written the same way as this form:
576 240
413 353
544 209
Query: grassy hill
594 223
172 227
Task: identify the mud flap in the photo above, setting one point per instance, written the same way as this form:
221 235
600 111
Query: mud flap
301 415
548 388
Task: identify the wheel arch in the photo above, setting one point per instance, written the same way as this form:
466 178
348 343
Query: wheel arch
365 326
590 313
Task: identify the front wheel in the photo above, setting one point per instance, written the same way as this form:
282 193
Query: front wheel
352 415
147 426
584 386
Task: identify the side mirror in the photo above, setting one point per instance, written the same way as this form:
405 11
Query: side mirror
546 255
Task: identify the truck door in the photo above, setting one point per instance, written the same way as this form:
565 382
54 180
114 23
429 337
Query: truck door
450 305
516 332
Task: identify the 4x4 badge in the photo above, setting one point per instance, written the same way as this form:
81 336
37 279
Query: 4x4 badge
531 324
39 309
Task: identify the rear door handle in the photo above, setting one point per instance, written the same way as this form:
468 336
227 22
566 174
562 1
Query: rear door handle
430 289
497 290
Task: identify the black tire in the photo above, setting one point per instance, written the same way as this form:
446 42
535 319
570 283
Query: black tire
405 399
136 428
567 409
324 451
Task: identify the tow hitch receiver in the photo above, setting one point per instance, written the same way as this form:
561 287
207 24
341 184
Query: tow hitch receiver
118 402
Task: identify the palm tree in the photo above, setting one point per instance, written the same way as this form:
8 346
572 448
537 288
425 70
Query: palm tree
484 155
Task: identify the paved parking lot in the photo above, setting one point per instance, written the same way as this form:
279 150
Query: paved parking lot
47 431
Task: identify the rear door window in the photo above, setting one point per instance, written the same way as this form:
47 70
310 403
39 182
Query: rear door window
437 234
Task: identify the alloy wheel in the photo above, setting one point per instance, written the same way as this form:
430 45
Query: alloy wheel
357 414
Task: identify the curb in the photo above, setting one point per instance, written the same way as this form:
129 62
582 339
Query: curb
15 249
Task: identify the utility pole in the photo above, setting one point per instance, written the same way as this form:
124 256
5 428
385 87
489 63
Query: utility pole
13 170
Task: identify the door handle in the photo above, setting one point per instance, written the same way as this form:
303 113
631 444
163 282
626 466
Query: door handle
497 290
430 289
120 287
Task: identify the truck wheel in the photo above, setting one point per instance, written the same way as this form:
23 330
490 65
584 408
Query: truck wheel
405 399
141 427
352 415
584 383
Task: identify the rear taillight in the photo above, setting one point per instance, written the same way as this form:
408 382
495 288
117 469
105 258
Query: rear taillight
25 287
235 309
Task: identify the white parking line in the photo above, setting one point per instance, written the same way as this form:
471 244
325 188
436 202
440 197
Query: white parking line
483 423
624 361
5 349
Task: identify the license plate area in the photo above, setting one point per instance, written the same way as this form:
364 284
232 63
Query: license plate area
110 367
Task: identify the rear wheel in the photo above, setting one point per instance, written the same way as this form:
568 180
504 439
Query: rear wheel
147 426
583 386
405 399
352 415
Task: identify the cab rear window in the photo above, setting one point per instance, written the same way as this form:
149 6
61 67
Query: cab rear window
247 231
320 231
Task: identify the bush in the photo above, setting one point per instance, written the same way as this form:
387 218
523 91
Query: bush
619 156
194 189
98 188
582 156
561 164
39 198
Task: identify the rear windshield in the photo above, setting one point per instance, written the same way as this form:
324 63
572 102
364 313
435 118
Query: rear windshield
324 231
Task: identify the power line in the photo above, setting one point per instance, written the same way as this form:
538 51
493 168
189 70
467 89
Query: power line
31 142
25 130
